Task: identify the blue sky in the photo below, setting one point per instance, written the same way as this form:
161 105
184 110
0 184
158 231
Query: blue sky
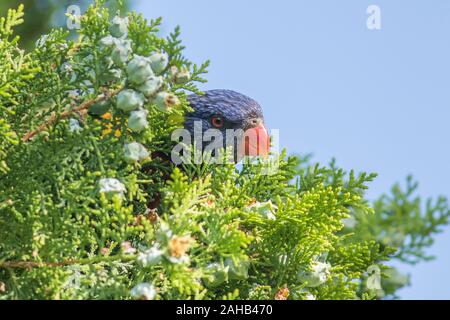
378 101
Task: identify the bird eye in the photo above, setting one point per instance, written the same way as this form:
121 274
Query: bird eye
217 122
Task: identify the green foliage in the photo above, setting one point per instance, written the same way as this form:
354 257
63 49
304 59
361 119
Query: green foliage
401 221
16 70
78 220
42 15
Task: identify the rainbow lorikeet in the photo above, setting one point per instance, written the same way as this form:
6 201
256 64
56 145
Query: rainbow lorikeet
222 110
226 109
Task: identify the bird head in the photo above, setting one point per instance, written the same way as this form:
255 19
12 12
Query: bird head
224 110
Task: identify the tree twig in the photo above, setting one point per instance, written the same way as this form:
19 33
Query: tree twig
84 106
37 264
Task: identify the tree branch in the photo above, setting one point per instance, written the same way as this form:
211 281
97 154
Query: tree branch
84 106
37 264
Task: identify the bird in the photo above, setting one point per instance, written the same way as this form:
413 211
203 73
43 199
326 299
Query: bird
219 109
224 110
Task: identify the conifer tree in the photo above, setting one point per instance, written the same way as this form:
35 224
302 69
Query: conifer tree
81 121
42 15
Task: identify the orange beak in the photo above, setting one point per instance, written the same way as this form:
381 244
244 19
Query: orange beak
256 142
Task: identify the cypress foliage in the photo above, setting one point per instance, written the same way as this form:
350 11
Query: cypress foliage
79 172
